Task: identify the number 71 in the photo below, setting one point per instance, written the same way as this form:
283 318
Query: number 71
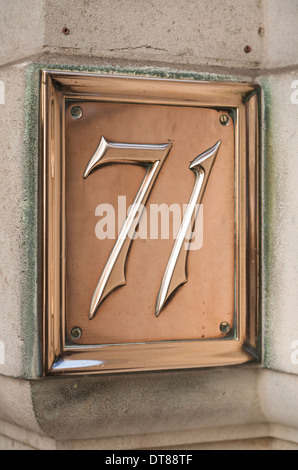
152 157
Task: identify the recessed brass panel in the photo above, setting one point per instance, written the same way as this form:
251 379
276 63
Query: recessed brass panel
120 304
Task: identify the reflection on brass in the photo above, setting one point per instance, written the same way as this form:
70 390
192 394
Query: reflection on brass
224 327
76 333
179 119
76 112
175 273
153 156
127 314
224 120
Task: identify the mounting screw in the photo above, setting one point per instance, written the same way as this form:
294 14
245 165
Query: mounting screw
75 333
247 49
224 327
65 31
224 119
76 112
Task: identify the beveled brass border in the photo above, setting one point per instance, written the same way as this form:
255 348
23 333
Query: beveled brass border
58 86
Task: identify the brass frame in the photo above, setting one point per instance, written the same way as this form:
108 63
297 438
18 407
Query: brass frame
58 86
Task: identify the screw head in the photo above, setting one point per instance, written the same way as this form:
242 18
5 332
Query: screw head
76 333
76 112
65 31
247 49
224 119
224 327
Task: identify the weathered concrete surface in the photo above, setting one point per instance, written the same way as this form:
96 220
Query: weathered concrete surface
278 397
21 29
280 222
234 406
213 33
13 236
280 33
203 33
19 226
206 33
16 404
15 437
146 403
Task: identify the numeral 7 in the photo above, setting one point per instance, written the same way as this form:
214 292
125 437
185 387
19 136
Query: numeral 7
151 156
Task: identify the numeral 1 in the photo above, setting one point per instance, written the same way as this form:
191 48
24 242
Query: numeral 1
151 156
175 272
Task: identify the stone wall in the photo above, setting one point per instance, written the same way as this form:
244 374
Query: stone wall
254 405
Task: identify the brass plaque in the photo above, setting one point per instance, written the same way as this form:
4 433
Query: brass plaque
150 237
